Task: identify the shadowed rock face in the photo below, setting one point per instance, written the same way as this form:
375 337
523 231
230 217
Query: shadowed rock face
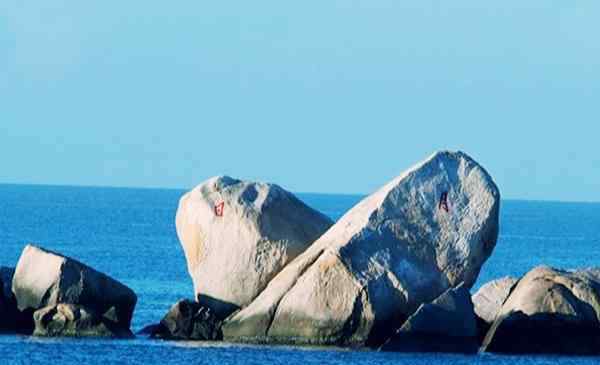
445 325
46 279
428 230
549 311
188 320
237 235
75 321
11 319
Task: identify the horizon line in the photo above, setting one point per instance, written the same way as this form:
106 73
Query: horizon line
84 186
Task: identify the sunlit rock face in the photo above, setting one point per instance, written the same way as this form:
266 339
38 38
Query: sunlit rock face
489 298
238 235
426 231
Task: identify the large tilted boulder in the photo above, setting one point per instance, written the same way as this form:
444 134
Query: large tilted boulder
489 298
549 311
75 321
45 279
445 325
429 229
190 321
237 235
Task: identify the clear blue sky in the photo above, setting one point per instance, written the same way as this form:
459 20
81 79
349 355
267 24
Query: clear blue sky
321 96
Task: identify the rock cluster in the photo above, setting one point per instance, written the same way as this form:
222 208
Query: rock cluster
54 295
426 231
393 273
190 321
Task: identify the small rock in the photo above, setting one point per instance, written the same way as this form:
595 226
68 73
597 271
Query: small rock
188 320
489 298
445 325
549 311
45 279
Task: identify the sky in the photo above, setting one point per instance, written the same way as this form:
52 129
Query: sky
317 96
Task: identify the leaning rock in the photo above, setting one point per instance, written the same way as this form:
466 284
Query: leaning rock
489 298
445 325
237 235
188 320
428 230
549 311
75 321
46 279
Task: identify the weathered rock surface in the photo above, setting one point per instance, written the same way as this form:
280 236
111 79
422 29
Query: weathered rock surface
237 235
428 230
489 298
188 320
445 325
549 311
45 279
75 321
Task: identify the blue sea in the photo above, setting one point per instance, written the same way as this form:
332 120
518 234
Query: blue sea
130 235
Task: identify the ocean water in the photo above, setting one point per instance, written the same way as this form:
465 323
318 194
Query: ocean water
130 235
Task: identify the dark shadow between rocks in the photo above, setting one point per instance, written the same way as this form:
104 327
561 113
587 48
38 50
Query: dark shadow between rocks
222 309
545 333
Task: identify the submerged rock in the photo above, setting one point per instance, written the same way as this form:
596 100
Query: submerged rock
45 279
188 320
489 298
237 235
445 325
424 232
75 321
6 276
11 319
549 311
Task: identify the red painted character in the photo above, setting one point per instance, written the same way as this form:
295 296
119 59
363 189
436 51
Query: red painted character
219 208
443 204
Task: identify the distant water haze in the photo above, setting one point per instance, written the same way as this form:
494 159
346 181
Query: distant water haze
328 96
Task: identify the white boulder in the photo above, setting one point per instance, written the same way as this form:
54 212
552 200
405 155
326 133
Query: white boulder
238 235
45 279
424 232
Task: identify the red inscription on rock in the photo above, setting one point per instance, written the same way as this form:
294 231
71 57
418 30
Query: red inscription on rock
443 204
219 208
